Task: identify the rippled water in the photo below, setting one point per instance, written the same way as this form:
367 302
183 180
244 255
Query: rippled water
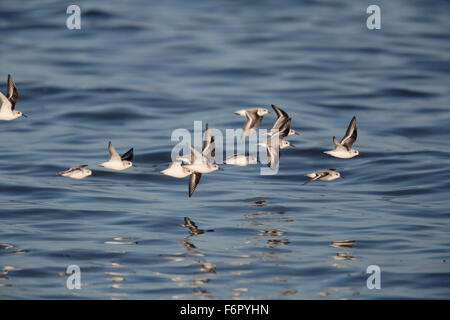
137 71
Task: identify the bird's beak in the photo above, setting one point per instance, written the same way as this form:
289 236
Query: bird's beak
220 169
134 165
24 115
342 176
292 145
93 173
296 133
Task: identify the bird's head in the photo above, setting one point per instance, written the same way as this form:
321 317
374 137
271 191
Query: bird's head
19 114
128 164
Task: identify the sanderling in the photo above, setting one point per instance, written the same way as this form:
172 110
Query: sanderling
116 161
78 172
241 160
282 124
344 149
324 175
254 117
7 104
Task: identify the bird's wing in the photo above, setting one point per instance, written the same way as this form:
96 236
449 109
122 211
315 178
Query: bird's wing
285 128
280 112
337 145
350 135
5 103
273 155
194 179
253 121
128 155
336 142
113 154
12 93
189 223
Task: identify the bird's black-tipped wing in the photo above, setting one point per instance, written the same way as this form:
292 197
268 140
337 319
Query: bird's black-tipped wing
12 93
194 179
350 135
128 155
285 128
280 112
113 154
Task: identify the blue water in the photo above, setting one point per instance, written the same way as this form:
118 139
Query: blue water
138 70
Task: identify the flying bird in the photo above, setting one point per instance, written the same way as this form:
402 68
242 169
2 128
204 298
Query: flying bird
199 161
282 123
324 175
117 161
78 172
343 149
7 104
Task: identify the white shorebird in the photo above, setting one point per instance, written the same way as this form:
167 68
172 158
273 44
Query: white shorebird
254 117
7 104
78 172
197 163
117 161
241 160
344 149
282 124
324 175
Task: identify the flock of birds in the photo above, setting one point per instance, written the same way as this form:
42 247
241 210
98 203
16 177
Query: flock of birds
197 163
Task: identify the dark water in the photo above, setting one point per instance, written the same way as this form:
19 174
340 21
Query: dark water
137 71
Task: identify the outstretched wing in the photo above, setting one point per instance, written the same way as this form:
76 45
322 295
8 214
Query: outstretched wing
189 223
350 135
285 128
113 154
280 112
253 122
283 122
12 93
4 103
128 155
194 180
